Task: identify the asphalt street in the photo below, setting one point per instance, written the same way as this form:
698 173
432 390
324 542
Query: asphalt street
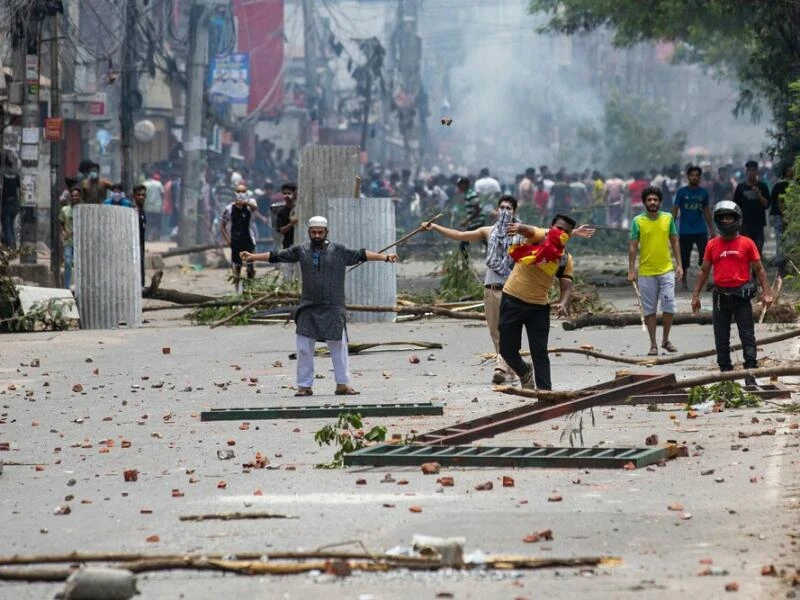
66 449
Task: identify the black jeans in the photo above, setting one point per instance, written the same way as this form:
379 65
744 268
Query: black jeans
535 318
9 236
726 309
689 241
755 233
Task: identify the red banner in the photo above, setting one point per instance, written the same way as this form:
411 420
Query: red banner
259 28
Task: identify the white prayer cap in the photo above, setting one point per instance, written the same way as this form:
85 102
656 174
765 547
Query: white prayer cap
318 222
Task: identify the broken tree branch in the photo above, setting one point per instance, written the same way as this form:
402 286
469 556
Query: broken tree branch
668 360
271 567
155 292
562 396
233 516
625 319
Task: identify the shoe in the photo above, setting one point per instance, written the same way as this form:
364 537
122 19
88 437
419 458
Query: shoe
342 389
498 377
750 381
526 380
304 391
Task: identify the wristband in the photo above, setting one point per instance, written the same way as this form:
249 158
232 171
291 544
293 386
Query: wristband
386 259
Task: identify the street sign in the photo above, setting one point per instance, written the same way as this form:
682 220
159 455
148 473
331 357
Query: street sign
54 129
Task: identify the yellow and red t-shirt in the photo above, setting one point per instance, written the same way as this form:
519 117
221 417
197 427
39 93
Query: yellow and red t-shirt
531 283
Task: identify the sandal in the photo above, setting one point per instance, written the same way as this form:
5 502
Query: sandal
669 346
653 351
304 391
345 390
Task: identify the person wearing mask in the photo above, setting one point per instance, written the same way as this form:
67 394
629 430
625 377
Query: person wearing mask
94 189
752 196
239 232
321 314
117 197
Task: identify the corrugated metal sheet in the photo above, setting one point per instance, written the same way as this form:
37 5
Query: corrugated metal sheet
366 223
107 280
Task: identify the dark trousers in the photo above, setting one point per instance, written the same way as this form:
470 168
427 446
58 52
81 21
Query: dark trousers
535 318
726 309
689 241
9 236
755 233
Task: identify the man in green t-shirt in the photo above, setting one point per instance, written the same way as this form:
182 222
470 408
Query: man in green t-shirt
655 233
65 219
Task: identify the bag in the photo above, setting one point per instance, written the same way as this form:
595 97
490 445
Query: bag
747 291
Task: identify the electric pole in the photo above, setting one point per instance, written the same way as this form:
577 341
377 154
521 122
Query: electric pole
27 75
55 150
128 92
410 58
194 142
310 47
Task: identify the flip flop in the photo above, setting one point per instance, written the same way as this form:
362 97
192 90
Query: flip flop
345 390
653 351
304 391
669 347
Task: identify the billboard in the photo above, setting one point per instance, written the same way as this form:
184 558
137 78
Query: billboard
259 34
229 82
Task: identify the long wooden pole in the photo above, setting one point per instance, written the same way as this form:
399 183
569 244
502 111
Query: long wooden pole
401 240
639 304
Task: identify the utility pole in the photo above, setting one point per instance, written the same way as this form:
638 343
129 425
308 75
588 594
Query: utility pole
26 72
409 61
55 150
310 47
129 88
194 142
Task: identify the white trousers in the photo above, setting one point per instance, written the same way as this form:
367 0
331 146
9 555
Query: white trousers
305 360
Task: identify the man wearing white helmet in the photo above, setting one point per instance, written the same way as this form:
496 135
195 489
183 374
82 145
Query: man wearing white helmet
733 257
321 313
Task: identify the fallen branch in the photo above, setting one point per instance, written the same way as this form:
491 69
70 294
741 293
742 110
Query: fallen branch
668 360
221 303
625 319
356 348
234 516
271 567
563 396
155 292
419 310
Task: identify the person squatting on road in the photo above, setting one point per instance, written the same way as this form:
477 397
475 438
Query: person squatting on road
524 301
655 233
242 235
321 314
498 268
731 256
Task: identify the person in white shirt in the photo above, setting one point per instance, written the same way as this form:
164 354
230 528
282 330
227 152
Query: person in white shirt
486 184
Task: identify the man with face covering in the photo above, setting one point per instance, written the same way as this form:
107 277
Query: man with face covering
94 188
655 233
321 313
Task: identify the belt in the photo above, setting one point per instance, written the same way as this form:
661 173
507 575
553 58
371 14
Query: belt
494 286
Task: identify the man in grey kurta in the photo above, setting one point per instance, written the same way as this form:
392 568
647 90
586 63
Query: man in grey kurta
321 314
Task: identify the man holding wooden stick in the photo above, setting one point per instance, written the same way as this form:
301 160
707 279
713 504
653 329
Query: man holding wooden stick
321 313
732 256
654 233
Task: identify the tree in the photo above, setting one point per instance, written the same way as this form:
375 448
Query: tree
757 43
633 136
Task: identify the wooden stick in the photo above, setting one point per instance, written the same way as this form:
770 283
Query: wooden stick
639 303
668 360
233 516
561 396
401 240
260 567
357 189
774 300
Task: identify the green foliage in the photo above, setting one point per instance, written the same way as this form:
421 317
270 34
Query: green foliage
791 236
347 435
754 42
251 289
48 316
728 393
460 281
